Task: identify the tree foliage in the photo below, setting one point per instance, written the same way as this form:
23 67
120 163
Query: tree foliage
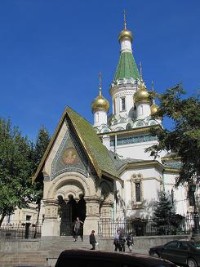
165 219
183 138
42 141
15 169
18 161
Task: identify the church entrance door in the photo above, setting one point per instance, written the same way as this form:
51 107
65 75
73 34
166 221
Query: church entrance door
69 211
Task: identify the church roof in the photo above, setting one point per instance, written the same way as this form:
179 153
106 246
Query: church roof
126 68
96 151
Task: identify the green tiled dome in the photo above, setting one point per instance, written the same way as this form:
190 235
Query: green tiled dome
126 68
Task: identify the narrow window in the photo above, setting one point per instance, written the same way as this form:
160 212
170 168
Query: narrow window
114 106
138 191
123 104
97 117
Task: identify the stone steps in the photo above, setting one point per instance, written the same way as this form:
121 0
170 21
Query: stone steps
46 255
62 243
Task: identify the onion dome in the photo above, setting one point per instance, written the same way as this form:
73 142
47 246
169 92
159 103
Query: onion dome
125 35
142 95
100 104
154 109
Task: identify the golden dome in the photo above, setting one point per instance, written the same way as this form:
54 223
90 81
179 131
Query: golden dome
125 35
100 104
154 109
142 94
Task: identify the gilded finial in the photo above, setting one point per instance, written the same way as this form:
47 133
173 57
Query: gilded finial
125 34
124 19
100 83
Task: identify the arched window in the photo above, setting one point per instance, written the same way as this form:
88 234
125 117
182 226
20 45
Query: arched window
136 188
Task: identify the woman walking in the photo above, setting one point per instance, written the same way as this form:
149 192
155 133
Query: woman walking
78 225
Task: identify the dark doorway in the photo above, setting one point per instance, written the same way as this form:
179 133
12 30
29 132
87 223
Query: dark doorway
65 212
69 211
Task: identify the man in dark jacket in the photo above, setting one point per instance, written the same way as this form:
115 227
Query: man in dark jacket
130 241
122 241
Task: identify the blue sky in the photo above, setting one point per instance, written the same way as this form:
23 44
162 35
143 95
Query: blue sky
51 52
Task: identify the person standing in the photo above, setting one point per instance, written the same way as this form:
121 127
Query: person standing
130 241
122 241
81 212
116 240
77 227
92 240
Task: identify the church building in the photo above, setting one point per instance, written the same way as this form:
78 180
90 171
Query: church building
101 172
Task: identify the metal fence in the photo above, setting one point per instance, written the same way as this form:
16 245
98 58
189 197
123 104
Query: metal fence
108 228
20 231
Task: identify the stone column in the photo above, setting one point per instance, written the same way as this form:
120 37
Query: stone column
51 224
105 225
92 216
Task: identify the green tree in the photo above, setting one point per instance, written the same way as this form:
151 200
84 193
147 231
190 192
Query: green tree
183 137
164 217
38 150
42 141
15 170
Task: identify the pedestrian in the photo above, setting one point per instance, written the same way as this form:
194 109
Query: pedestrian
122 241
130 241
92 240
116 240
77 229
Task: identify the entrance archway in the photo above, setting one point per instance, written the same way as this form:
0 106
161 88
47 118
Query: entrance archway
69 190
69 211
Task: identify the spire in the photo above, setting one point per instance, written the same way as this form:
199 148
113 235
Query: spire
125 33
124 19
100 83
127 68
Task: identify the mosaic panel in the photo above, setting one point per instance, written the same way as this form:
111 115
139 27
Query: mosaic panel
69 157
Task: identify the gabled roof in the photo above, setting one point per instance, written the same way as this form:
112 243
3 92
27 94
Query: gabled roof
96 151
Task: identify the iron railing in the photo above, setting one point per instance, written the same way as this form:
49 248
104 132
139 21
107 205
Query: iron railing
20 231
106 228
139 227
